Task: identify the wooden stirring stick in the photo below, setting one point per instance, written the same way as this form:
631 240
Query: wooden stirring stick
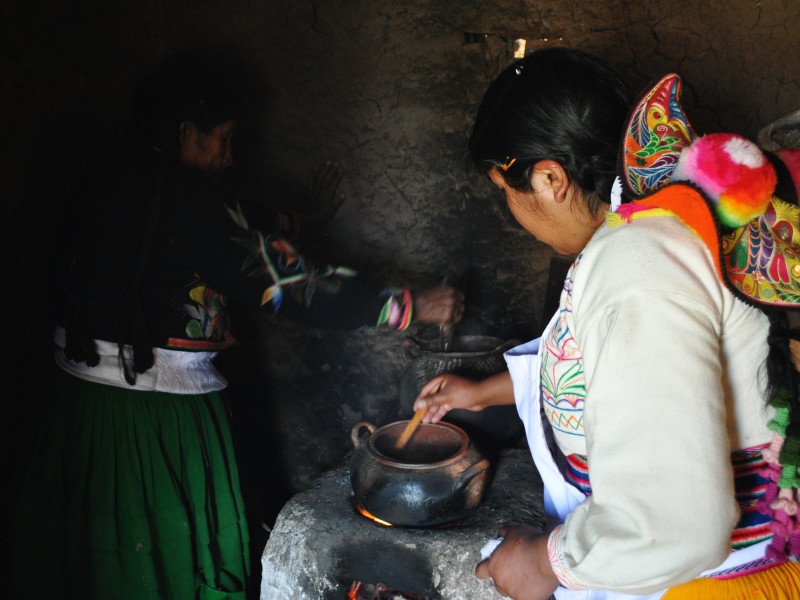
416 420
410 428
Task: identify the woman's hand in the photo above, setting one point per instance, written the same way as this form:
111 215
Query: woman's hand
442 305
446 392
519 566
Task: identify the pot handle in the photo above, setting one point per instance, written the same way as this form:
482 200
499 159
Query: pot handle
472 472
507 345
355 433
411 347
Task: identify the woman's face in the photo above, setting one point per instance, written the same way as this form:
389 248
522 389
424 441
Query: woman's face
552 218
208 152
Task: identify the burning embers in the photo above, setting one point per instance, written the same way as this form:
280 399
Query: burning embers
383 569
380 591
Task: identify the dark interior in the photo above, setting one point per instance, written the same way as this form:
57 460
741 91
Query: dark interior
388 89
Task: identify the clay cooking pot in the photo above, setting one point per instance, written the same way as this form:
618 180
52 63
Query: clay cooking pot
437 478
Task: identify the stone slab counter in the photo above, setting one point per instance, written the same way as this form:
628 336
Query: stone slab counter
320 544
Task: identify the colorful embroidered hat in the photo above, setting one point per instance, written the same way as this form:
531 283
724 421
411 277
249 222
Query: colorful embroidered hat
742 202
656 133
755 237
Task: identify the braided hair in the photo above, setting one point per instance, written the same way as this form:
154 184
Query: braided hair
783 379
560 104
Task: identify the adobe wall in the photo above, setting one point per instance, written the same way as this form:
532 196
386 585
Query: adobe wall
388 89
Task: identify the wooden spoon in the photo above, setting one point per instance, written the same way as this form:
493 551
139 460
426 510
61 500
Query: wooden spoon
410 428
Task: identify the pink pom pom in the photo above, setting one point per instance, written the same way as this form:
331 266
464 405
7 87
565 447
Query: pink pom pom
772 454
775 551
732 172
780 532
794 545
785 502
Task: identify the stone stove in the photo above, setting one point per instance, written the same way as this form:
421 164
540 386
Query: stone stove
320 544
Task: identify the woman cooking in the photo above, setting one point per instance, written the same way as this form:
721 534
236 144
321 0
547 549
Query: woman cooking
651 376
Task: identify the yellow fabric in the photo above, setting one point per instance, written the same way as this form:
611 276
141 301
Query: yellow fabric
615 219
778 583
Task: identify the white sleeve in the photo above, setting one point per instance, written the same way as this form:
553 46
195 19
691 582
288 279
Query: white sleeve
662 506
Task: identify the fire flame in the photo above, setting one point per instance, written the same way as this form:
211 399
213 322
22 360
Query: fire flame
352 593
369 515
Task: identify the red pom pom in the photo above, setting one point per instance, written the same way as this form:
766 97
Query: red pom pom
733 173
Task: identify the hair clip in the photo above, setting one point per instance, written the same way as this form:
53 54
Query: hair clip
518 69
508 163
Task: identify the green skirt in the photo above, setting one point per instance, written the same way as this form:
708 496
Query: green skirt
130 495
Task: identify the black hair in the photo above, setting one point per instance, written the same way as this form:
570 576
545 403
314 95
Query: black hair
558 103
183 88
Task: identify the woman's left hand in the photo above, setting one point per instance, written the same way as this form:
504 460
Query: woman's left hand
442 305
519 566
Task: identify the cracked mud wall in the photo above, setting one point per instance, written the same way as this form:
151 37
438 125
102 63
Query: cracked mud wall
388 89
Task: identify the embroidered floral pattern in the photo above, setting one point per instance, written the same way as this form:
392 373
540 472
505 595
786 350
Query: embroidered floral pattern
761 257
274 258
209 321
563 379
208 327
657 132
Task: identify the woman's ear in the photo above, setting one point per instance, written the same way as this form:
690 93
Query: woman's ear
550 175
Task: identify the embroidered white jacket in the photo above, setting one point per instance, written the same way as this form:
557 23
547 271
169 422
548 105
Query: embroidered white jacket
671 364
